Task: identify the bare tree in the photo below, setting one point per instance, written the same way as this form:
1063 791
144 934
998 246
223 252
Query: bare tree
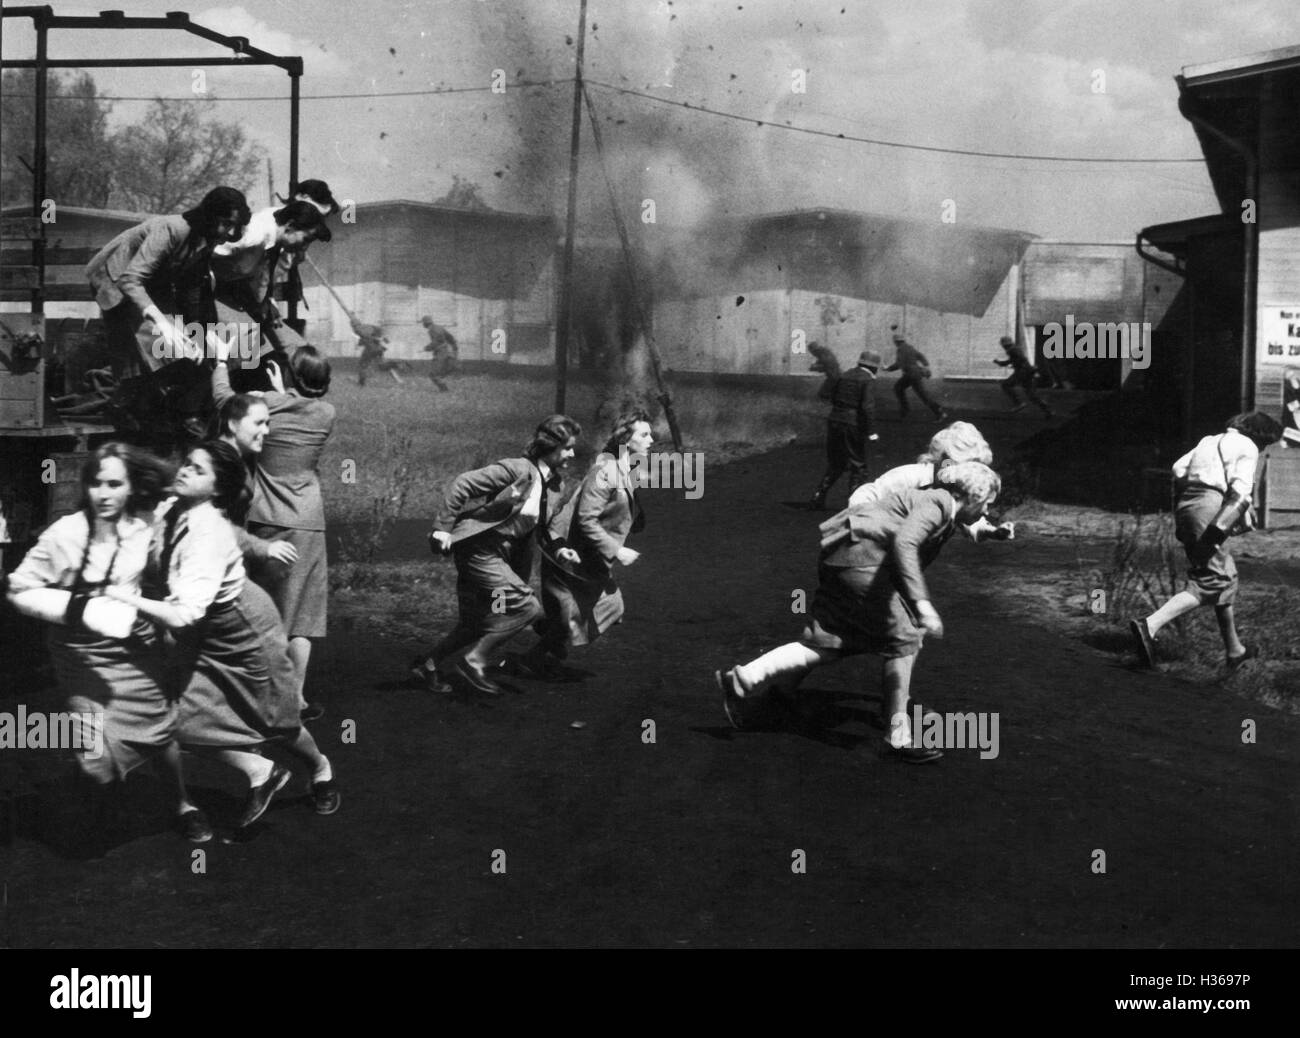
179 152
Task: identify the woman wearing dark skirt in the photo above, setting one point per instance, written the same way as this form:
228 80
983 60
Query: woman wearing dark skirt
228 708
1215 481
581 599
104 667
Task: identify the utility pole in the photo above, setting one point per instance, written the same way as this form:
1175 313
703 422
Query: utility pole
565 316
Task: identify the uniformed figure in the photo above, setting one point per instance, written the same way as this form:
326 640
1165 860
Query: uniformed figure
373 344
916 369
849 425
442 344
1022 374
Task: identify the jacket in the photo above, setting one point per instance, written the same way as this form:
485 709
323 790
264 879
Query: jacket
482 500
910 361
598 518
156 262
286 483
851 398
905 532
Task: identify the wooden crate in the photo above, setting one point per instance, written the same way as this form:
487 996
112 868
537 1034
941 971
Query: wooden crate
1279 488
22 385
65 491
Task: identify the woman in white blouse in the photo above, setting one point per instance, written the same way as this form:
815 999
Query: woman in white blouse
69 577
1215 480
227 709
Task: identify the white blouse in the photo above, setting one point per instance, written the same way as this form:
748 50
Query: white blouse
56 557
1218 461
206 564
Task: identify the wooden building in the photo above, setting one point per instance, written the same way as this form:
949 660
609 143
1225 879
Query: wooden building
746 295
486 276
1241 265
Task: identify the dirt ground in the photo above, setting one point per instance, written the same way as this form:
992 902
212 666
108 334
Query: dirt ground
690 840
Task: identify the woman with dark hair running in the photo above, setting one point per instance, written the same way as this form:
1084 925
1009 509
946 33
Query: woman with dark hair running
1214 482
227 705
69 579
582 599
488 522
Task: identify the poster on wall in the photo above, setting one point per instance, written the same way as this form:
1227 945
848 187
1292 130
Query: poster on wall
1291 406
1280 334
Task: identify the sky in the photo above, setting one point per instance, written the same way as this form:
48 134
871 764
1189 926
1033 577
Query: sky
398 98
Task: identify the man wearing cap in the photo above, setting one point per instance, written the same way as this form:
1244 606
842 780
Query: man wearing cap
442 344
1022 374
916 369
848 427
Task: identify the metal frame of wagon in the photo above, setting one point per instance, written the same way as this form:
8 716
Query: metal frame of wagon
44 19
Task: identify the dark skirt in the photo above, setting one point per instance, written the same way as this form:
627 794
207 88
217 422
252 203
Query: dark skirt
229 699
860 611
584 607
1214 580
120 683
301 591
491 596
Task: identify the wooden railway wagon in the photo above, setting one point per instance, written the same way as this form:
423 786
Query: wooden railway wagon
44 356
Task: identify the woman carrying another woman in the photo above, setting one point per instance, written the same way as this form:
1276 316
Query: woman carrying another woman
102 664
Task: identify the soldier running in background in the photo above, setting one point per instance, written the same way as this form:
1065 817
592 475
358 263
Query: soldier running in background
446 354
849 425
373 344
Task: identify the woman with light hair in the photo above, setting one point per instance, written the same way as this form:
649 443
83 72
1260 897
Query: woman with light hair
957 443
872 598
582 599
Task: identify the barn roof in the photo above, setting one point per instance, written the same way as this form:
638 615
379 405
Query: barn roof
949 267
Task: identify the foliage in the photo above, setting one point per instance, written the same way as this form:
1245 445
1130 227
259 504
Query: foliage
163 164
178 153
79 148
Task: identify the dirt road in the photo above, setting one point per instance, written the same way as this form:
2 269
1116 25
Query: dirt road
692 839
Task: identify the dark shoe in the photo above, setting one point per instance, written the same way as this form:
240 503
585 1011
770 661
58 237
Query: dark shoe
312 712
1146 645
942 416
733 703
1234 662
259 797
918 755
1016 408
429 680
545 668
194 826
325 796
459 672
